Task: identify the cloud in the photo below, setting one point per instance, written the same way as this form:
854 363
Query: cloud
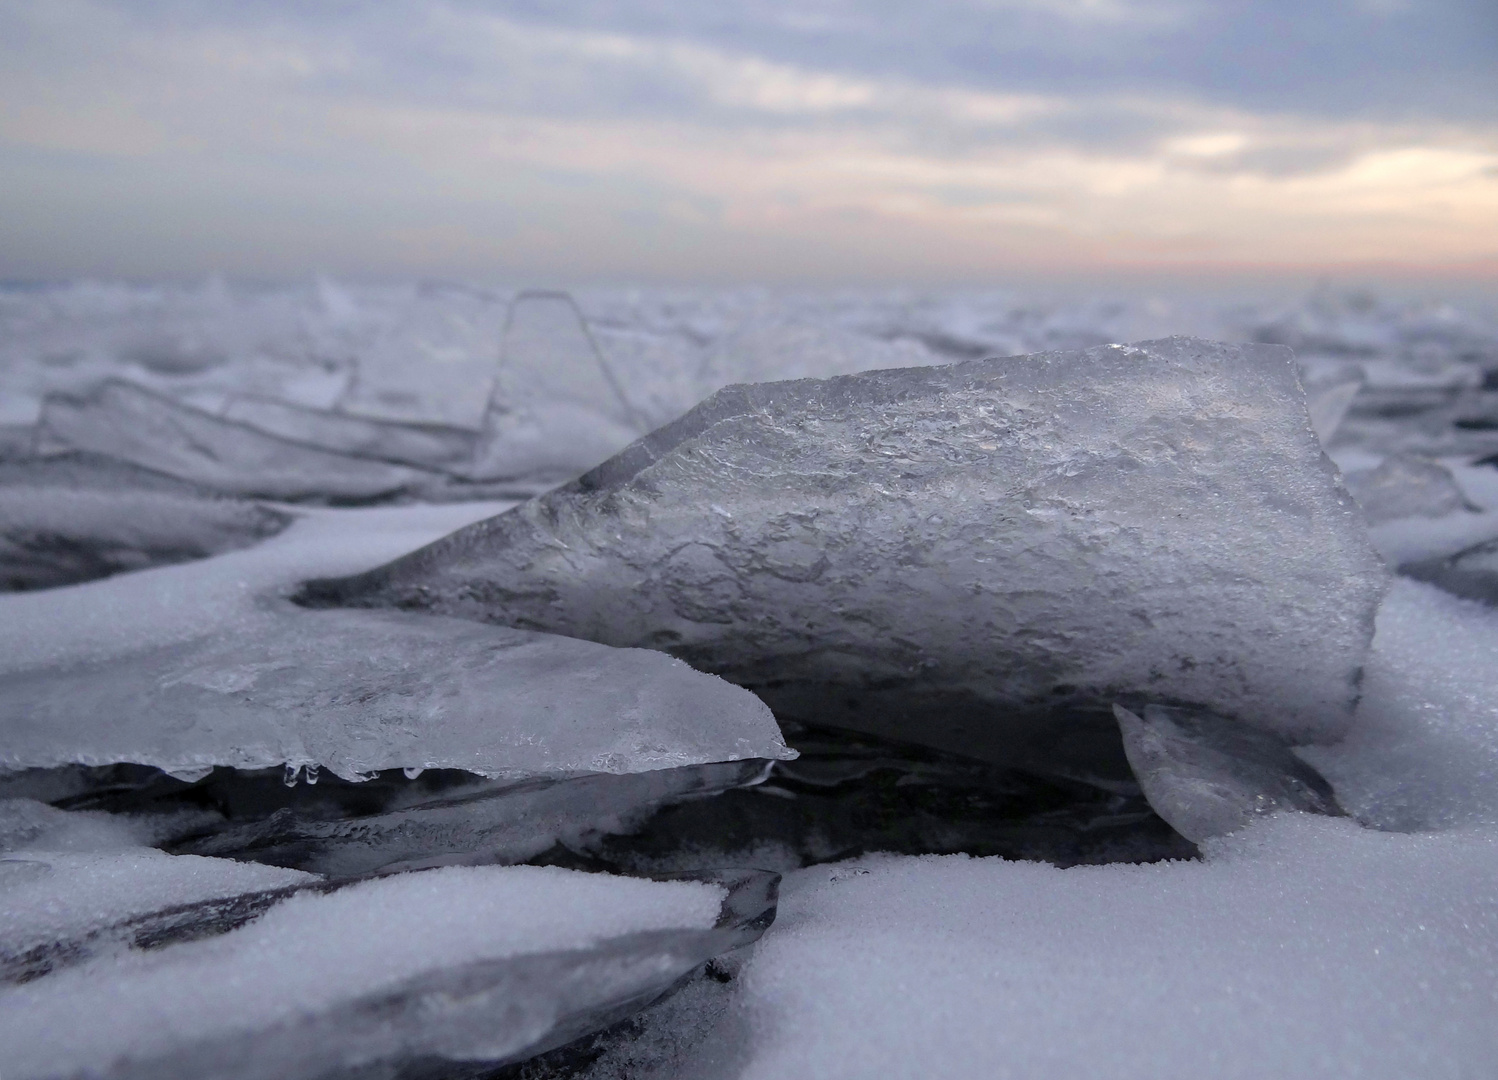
618 136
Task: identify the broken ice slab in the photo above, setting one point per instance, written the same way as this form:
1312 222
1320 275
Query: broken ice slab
79 517
361 691
127 422
425 445
961 555
1471 573
1406 486
557 408
478 821
1328 405
453 965
1208 776
774 350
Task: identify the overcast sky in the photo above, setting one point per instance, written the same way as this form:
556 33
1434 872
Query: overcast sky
748 140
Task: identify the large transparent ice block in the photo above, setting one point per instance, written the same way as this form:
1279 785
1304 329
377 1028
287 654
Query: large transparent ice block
958 555
361 691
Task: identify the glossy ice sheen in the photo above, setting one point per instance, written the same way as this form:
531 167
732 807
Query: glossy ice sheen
953 554
1208 776
360 691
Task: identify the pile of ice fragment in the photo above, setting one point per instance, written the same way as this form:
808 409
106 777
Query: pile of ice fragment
557 408
427 446
957 555
132 424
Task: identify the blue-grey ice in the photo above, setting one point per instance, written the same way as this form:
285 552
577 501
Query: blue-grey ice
556 408
189 667
133 424
957 554
1208 776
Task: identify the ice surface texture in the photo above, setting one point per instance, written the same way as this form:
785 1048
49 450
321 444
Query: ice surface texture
1208 776
953 554
189 667
361 691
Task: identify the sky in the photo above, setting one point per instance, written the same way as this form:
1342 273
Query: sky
725 141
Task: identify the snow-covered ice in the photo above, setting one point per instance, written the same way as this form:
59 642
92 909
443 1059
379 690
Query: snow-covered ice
311 953
1304 946
1357 946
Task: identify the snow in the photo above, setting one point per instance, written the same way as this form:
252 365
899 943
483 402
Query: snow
1424 751
60 895
1303 946
311 952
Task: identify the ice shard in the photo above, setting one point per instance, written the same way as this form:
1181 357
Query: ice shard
460 820
356 692
425 445
78 517
1406 486
1471 573
963 555
557 408
1208 776
133 424
1328 406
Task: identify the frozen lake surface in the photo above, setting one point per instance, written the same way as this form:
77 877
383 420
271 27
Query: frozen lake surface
495 815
